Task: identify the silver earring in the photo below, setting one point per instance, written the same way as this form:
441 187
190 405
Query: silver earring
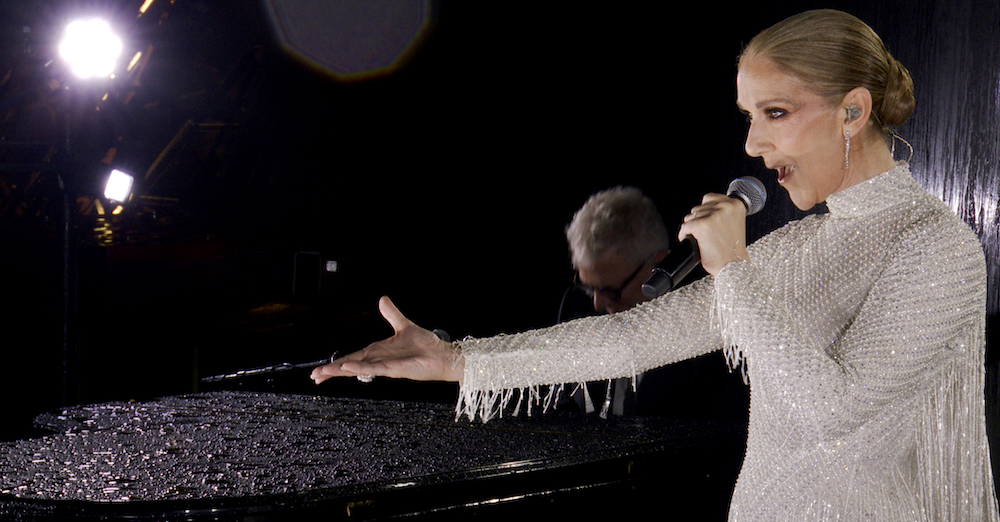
847 149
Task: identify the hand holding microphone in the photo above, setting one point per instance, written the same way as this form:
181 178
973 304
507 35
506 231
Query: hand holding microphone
688 253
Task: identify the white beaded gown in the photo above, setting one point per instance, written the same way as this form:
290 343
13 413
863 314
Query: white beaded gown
862 334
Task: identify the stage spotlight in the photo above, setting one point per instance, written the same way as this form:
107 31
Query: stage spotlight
90 48
119 186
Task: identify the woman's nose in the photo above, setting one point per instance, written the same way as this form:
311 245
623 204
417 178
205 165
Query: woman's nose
756 144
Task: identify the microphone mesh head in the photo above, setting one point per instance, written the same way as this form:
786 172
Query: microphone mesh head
751 191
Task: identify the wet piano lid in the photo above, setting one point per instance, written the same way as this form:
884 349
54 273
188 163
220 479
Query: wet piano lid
234 450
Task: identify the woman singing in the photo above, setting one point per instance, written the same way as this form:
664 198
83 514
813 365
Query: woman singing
860 331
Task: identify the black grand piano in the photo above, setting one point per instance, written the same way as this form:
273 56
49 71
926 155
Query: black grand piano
254 456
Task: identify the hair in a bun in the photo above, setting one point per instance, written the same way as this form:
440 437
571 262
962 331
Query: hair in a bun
833 53
897 104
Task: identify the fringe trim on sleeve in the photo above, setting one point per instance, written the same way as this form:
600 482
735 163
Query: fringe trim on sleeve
731 330
953 457
489 404
495 381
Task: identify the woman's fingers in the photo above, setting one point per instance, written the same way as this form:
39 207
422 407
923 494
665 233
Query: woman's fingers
719 226
392 315
322 373
411 352
387 368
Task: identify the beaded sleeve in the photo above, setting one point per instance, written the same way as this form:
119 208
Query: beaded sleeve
515 367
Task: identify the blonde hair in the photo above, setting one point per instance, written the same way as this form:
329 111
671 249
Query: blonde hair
833 53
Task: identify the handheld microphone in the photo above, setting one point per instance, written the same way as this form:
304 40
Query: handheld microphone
682 259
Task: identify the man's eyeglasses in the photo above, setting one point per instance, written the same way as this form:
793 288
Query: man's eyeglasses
612 294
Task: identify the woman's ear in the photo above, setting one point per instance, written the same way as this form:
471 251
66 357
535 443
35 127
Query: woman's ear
857 110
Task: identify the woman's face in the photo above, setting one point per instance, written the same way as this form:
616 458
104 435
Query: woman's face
796 132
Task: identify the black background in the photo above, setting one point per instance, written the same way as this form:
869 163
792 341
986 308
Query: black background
445 183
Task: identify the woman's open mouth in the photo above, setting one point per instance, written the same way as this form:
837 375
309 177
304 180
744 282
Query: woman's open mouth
784 172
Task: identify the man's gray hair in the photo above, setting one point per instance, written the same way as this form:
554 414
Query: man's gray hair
621 219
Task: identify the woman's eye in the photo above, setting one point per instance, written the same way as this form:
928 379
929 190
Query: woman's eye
774 113
771 114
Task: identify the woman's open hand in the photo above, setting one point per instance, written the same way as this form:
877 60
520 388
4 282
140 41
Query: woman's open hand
411 353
